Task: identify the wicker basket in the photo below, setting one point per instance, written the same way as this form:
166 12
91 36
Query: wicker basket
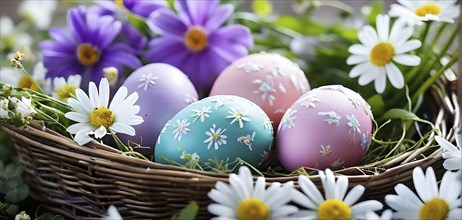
80 182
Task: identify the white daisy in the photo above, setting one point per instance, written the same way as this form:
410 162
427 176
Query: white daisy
4 108
180 128
111 74
216 137
238 116
95 118
63 90
429 202
378 49
336 204
24 107
18 79
202 114
112 214
386 215
242 199
12 38
418 11
451 153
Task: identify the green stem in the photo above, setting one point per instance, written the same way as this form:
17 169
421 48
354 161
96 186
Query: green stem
426 57
32 79
424 34
429 82
446 46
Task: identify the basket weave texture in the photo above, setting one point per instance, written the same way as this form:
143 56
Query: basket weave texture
81 182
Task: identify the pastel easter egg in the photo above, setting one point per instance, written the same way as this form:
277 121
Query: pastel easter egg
271 81
328 127
163 91
221 128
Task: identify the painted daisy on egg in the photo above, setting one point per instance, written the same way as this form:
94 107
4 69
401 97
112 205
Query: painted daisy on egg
238 116
429 202
216 137
337 203
87 47
242 199
193 40
201 114
94 117
375 57
180 128
63 89
288 119
451 153
418 11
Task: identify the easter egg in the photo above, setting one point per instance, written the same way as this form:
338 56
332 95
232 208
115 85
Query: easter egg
163 91
271 81
328 127
221 128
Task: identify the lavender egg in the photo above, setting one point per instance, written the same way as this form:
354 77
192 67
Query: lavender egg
328 127
163 91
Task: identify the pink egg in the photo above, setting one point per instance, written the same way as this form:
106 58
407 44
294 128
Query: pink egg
328 127
163 91
271 81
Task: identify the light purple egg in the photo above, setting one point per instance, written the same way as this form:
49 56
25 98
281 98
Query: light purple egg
163 91
328 127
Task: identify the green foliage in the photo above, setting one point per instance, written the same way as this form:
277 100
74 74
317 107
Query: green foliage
262 8
370 12
187 213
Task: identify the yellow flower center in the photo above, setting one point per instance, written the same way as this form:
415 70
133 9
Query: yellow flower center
428 9
102 117
27 82
87 54
253 209
216 137
382 54
65 92
119 3
334 209
435 209
196 39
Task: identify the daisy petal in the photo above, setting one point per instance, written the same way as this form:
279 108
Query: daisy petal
100 132
408 46
354 195
359 69
310 189
355 59
221 210
383 26
380 81
407 59
362 208
395 76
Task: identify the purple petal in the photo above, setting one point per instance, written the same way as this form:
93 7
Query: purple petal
77 25
108 29
218 16
164 21
134 37
164 47
144 8
61 35
59 47
218 63
122 58
195 12
235 33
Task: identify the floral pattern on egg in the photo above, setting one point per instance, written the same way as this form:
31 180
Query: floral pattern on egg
271 81
221 128
328 127
163 91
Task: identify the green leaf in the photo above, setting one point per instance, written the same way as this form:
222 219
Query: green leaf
370 12
1 166
377 104
12 170
301 25
187 213
18 194
400 114
262 8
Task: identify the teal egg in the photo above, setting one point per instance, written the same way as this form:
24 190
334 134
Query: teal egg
221 128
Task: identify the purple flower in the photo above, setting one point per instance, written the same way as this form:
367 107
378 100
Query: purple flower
86 47
193 40
139 7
